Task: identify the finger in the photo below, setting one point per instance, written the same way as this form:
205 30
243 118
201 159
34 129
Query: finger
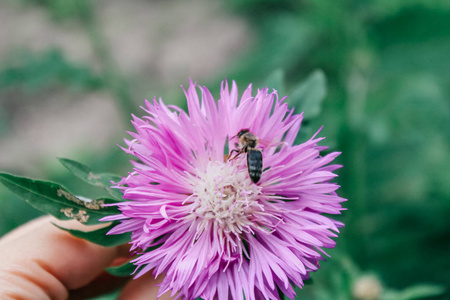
143 288
24 229
42 260
105 282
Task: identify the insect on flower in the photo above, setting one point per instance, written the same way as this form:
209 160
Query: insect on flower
248 143
198 217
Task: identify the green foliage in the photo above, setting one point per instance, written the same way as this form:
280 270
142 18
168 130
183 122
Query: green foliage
87 175
35 71
345 276
307 97
54 199
123 270
14 211
276 81
284 49
387 109
65 9
414 292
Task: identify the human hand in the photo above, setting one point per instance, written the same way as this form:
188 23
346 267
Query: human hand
40 261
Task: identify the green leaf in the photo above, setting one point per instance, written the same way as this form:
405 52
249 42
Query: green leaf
421 291
85 173
305 133
123 270
275 81
308 96
100 236
54 199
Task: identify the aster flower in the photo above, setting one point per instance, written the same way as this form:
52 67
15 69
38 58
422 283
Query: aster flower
197 217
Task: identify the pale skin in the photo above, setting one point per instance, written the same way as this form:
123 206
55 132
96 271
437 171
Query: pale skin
40 261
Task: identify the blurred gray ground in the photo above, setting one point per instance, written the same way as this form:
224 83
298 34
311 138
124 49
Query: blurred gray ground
158 44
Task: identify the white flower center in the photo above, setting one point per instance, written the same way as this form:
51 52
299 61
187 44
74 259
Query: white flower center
226 197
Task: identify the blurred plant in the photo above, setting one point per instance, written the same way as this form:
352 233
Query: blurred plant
65 9
387 107
84 12
346 281
36 71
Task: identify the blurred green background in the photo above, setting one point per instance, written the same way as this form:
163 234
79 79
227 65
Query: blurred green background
72 72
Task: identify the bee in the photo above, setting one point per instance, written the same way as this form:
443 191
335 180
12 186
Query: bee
248 143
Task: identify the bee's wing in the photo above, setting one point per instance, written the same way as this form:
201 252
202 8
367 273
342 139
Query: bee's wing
269 144
264 143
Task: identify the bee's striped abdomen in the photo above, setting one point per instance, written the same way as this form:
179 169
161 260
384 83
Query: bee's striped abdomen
254 164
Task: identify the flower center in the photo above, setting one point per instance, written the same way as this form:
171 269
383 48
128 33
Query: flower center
226 197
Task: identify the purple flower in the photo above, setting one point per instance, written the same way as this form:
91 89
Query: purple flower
197 217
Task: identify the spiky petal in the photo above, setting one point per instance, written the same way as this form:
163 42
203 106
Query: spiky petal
197 217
